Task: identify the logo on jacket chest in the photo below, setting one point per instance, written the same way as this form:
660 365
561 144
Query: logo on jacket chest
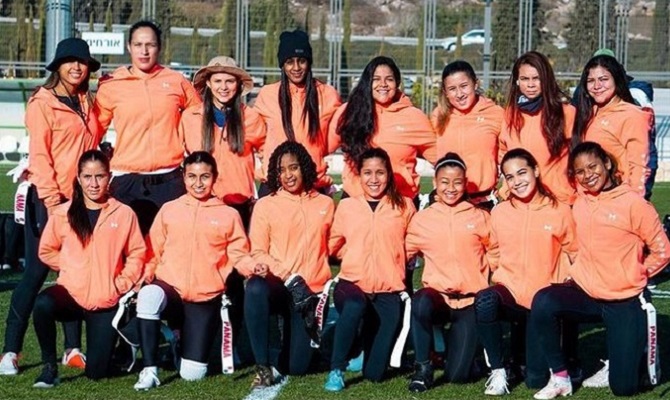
480 119
611 216
604 122
113 225
166 85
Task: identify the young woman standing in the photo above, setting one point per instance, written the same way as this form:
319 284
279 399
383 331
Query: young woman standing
61 126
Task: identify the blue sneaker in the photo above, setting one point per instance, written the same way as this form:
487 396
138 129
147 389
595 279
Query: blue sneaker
335 381
356 364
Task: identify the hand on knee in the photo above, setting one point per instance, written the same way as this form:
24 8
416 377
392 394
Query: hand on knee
151 300
192 370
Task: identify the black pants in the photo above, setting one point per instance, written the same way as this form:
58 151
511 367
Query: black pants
265 297
198 323
56 304
494 305
380 313
34 275
625 323
146 194
428 309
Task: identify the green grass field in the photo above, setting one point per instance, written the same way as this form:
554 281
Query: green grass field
217 386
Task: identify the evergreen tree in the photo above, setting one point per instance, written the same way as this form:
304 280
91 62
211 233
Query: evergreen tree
271 38
660 36
505 34
195 45
321 46
227 24
582 36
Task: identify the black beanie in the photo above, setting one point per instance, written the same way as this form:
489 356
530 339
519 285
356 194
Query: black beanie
294 44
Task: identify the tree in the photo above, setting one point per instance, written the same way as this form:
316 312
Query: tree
660 36
271 36
505 32
582 35
227 24
195 46
321 46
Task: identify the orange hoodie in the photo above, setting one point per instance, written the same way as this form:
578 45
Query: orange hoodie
613 229
146 113
622 129
527 246
267 105
555 172
289 233
58 136
235 183
474 137
195 246
405 133
371 244
453 242
99 274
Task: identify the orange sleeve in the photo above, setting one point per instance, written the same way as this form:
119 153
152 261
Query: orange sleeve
635 138
493 251
337 240
332 103
334 139
50 244
569 243
41 162
413 239
426 141
261 105
255 130
191 97
102 106
259 236
157 235
648 226
134 253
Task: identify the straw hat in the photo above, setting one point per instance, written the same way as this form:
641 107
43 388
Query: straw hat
222 64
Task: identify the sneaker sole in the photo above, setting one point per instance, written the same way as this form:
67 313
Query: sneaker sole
9 373
44 385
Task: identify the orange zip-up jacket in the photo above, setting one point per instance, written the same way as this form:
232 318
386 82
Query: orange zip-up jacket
405 133
289 233
527 246
612 231
371 244
453 242
554 173
267 105
108 267
622 129
146 113
474 137
58 136
235 183
195 245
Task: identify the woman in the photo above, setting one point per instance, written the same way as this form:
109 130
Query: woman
368 235
379 114
196 240
607 115
228 129
530 233
61 125
95 244
468 124
145 101
298 108
452 235
607 282
289 238
539 118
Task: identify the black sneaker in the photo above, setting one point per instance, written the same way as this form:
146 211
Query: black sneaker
422 379
264 377
48 378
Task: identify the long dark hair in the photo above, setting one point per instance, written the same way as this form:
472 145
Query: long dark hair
585 102
309 112
307 166
553 118
77 214
358 122
202 157
525 155
391 191
443 105
54 79
595 150
234 125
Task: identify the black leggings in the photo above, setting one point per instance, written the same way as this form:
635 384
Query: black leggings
494 305
380 313
198 323
625 323
56 304
428 309
265 297
32 279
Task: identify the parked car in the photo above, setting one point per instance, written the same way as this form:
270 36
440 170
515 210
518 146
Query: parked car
474 36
